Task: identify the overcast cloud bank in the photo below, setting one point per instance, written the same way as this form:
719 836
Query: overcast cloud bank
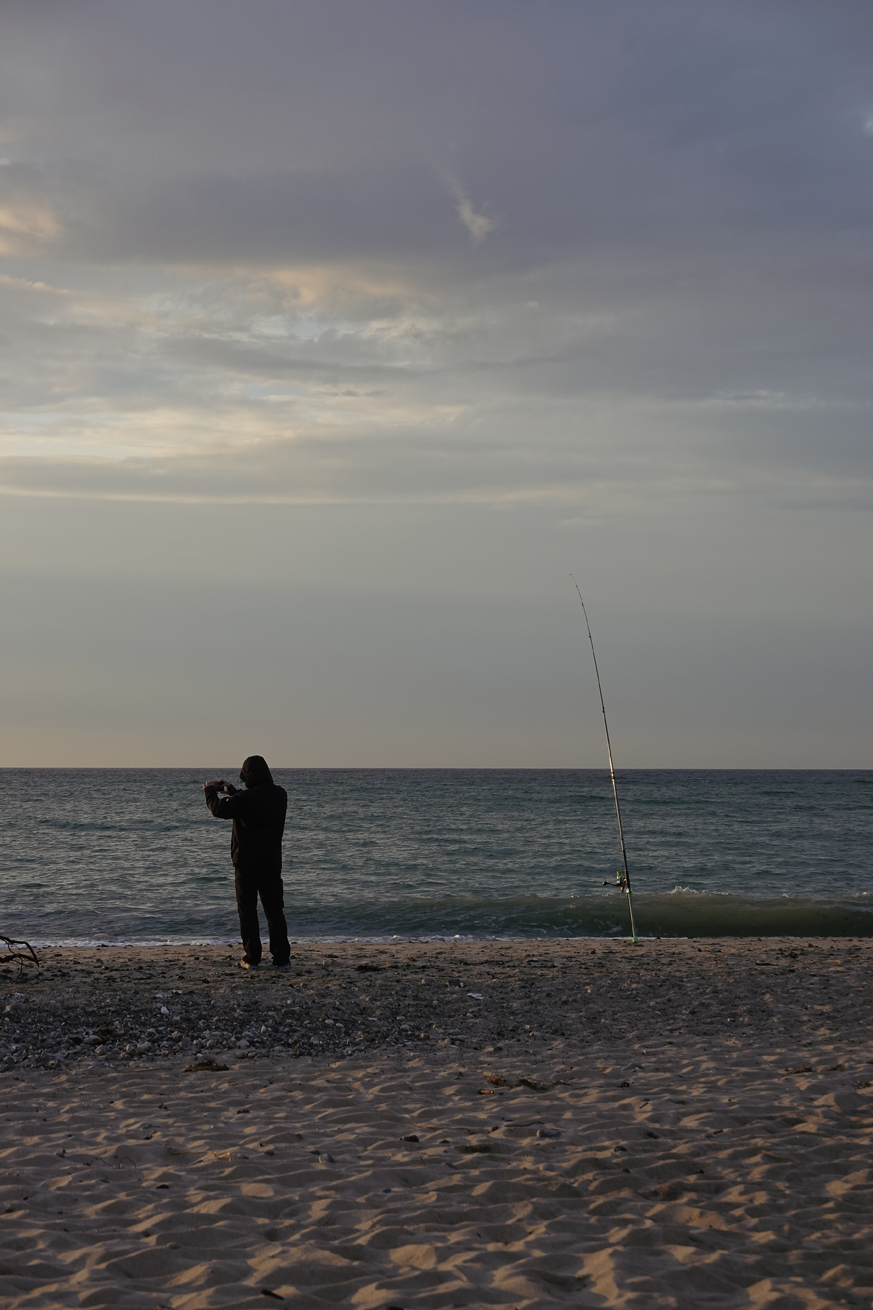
463 291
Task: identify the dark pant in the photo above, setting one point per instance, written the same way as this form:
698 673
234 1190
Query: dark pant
249 886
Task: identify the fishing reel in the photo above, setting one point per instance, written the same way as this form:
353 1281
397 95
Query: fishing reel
620 879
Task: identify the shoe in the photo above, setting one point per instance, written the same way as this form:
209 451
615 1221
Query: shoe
283 967
244 964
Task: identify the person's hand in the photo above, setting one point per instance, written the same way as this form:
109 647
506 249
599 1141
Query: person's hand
229 788
213 783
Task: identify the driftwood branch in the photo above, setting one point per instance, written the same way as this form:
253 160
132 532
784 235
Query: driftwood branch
16 954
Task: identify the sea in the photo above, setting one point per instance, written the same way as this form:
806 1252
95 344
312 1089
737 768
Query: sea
134 856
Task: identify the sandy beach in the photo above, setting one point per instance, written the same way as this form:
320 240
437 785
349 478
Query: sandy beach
678 1123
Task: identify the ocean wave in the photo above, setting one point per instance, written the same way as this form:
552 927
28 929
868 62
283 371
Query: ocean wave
680 913
671 914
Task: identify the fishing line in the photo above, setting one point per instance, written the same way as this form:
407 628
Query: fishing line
622 878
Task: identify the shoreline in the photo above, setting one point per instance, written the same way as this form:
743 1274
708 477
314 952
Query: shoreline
586 1122
444 939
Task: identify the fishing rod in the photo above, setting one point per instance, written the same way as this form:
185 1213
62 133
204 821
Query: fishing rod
622 878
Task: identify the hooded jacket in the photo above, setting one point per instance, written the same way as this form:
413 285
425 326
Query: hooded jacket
258 815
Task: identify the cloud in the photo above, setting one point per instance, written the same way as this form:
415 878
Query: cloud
29 219
26 227
259 248
240 271
710 130
478 225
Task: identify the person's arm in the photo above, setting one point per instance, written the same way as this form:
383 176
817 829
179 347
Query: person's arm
221 806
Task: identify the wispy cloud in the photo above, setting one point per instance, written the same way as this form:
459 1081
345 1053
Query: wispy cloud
26 227
478 225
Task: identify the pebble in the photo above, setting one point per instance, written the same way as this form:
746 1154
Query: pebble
98 1005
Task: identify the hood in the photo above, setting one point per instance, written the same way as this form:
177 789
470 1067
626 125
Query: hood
254 771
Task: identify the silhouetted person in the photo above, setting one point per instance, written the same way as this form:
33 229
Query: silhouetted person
258 815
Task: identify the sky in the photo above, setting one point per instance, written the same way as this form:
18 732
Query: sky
335 335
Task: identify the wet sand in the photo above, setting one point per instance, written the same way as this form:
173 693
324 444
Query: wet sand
444 1124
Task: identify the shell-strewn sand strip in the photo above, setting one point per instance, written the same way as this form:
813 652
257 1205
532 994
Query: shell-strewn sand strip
675 1168
140 1004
